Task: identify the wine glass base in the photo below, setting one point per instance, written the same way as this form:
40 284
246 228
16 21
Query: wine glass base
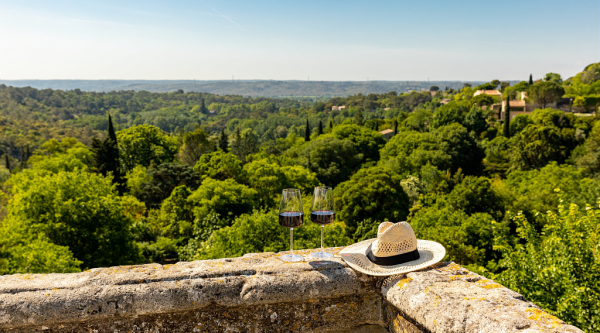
291 258
321 255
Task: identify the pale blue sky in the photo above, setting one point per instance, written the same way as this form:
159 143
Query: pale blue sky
291 40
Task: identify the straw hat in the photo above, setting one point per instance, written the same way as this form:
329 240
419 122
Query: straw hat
396 250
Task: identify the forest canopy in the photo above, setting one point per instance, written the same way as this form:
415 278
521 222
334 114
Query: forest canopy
94 179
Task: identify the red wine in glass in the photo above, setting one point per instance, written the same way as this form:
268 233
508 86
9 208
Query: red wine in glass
291 219
291 216
322 213
322 217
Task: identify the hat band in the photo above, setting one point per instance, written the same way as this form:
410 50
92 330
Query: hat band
392 260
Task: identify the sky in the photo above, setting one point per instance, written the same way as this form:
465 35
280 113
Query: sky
321 40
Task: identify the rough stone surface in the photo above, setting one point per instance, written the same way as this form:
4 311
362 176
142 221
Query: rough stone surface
449 298
260 293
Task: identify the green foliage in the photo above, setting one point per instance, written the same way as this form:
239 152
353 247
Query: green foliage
559 268
77 210
261 232
464 152
535 146
367 141
553 77
38 255
590 160
373 193
476 120
195 144
519 122
245 143
359 119
164 179
453 112
546 92
333 160
591 74
144 144
224 197
219 165
497 156
534 191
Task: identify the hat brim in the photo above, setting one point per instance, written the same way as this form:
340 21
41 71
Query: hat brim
355 256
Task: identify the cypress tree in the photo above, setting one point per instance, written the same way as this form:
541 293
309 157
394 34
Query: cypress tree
223 144
320 130
307 132
530 79
507 118
330 125
395 127
106 156
203 108
7 161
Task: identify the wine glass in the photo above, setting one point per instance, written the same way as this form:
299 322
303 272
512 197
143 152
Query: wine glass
321 212
291 215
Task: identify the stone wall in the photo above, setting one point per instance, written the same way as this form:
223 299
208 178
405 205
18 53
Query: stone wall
260 293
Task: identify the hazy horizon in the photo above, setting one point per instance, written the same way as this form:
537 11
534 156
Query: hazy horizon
282 41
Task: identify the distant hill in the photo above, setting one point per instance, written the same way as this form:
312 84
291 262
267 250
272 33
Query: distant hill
266 88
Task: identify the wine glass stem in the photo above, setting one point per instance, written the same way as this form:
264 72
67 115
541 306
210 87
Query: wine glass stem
322 230
292 241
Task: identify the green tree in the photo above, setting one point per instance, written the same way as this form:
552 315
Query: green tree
476 120
37 255
165 178
203 108
373 194
590 159
497 156
223 141
194 145
226 198
219 165
267 179
530 79
453 112
455 140
78 210
434 88
407 152
519 122
144 144
245 143
332 159
358 118
591 74
536 146
367 141
557 268
320 129
307 132
553 77
546 92
106 157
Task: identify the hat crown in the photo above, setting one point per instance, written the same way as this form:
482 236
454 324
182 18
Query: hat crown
394 239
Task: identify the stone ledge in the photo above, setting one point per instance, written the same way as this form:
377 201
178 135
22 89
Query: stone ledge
260 293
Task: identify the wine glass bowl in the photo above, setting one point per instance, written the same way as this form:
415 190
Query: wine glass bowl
291 215
322 213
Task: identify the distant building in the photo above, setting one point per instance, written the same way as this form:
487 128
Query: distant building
386 109
212 112
387 134
338 108
445 101
487 92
